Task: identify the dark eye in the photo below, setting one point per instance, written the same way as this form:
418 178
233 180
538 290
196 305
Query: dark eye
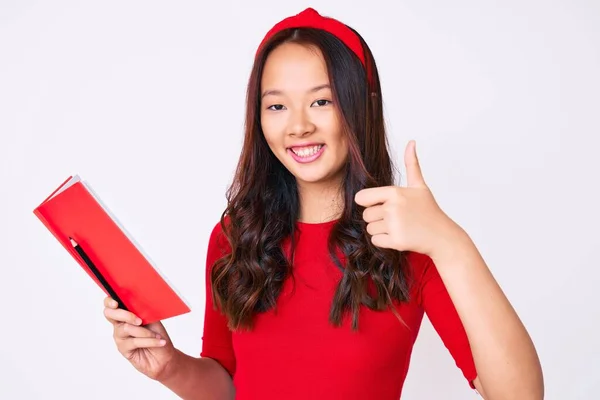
322 103
275 107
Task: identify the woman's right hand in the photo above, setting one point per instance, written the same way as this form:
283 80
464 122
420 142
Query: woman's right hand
148 348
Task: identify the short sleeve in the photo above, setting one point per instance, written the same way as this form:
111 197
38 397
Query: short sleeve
440 310
216 339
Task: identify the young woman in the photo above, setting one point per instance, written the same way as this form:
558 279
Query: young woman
321 268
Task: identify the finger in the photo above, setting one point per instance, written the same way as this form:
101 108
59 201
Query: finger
374 213
377 228
112 321
382 240
373 196
414 174
109 302
131 344
119 315
126 330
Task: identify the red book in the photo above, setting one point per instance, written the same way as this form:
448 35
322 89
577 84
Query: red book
87 229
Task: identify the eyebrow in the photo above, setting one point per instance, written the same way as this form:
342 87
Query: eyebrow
275 92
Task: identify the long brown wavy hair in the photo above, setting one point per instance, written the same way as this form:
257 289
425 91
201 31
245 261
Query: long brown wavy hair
263 201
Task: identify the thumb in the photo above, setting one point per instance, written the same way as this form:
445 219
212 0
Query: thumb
158 327
413 168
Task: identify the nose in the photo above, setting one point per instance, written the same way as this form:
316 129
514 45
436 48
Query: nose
300 124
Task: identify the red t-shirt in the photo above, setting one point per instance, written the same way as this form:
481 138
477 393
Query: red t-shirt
295 353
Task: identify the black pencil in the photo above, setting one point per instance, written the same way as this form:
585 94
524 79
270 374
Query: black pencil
97 273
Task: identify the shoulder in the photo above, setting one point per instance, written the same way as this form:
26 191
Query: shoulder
422 272
218 244
217 233
418 265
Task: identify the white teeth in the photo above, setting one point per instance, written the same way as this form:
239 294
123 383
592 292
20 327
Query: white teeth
307 151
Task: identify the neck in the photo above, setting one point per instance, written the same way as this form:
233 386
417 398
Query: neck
320 202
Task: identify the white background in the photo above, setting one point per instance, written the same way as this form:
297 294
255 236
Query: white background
145 100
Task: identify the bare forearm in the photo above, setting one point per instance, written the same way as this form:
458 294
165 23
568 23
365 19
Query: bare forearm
506 360
198 379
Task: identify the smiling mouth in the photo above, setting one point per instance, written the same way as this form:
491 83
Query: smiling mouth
306 154
306 151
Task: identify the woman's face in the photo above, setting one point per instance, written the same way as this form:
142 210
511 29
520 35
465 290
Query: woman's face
299 120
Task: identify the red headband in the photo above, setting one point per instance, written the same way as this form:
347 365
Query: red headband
310 18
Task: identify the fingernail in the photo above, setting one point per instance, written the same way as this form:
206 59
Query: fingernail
114 303
162 342
138 321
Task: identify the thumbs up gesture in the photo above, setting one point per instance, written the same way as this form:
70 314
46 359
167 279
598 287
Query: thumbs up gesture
406 218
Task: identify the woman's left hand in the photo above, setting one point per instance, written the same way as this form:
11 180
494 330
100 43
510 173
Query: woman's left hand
407 218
